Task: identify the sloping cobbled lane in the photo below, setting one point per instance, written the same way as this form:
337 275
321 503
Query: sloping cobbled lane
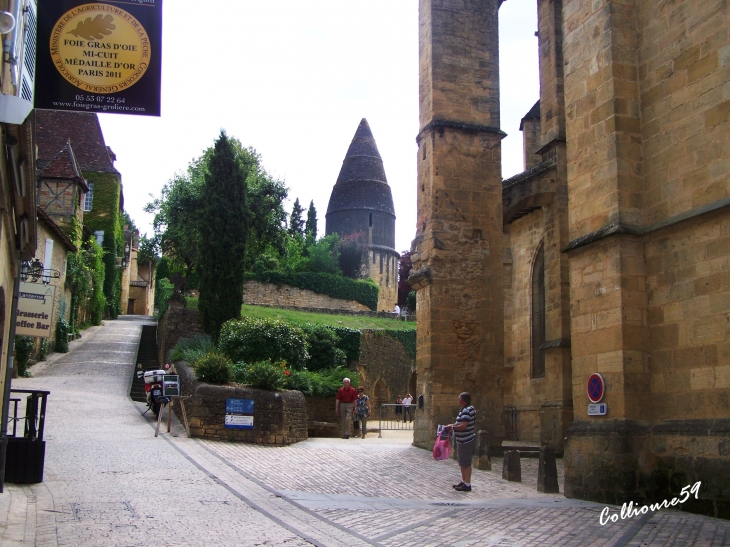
109 481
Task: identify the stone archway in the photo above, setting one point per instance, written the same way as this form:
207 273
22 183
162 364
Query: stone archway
412 383
381 394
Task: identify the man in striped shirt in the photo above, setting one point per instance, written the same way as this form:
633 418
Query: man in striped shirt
465 440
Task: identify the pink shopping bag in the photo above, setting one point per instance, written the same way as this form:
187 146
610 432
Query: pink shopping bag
442 447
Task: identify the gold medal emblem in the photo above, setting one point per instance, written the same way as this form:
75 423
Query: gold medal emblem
100 48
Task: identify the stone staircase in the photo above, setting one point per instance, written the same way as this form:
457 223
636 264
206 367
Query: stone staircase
147 357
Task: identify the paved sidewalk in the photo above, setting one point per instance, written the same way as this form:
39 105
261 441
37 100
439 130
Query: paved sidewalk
108 481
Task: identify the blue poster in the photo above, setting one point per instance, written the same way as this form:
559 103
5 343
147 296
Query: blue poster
239 413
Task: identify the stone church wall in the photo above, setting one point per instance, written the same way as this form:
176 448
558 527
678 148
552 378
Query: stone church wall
268 294
524 392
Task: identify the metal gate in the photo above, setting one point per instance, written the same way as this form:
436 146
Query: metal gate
392 417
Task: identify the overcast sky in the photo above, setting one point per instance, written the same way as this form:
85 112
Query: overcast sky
293 80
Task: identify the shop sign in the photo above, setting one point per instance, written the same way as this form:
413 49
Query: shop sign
99 57
35 310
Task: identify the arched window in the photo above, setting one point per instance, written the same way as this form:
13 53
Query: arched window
538 314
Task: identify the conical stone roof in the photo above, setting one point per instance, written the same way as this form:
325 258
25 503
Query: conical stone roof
362 183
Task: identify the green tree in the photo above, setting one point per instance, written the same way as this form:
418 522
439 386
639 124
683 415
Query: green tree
179 206
265 198
147 250
295 220
353 251
223 226
323 255
310 228
176 212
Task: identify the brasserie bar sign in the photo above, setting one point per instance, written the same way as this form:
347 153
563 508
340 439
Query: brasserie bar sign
35 310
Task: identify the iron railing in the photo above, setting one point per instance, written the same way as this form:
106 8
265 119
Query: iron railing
35 413
389 419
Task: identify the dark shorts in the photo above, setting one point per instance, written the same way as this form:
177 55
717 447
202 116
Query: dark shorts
465 452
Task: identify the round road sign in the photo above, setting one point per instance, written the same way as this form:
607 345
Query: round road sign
596 387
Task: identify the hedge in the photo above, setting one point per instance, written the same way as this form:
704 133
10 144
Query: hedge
363 291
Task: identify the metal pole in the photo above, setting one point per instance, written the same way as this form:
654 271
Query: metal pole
9 377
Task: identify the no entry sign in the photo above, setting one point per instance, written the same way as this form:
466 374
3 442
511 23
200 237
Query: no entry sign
596 387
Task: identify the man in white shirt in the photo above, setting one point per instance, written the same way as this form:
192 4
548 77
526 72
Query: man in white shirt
407 400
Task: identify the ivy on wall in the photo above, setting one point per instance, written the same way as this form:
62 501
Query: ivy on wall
407 338
106 216
336 286
85 278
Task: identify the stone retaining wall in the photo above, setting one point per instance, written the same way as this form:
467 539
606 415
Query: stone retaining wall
280 417
268 294
177 323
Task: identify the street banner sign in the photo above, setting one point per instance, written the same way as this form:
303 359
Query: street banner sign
239 413
102 56
35 310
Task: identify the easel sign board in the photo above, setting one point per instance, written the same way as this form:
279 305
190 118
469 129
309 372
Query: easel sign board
171 385
239 413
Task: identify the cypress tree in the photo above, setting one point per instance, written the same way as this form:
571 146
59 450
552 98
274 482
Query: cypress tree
310 228
223 229
295 220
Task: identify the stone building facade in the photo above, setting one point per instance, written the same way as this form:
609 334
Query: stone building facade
52 251
609 254
362 203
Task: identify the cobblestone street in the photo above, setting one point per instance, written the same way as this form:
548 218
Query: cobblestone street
109 481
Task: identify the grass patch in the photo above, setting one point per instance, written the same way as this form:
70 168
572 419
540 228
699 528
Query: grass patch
293 316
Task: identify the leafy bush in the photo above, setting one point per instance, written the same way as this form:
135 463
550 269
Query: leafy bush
23 349
214 368
240 372
323 348
266 375
163 292
62 331
349 342
192 349
323 383
251 340
364 291
43 350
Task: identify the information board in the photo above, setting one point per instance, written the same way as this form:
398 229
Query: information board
171 385
239 413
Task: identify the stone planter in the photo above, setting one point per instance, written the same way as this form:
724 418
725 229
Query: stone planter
280 417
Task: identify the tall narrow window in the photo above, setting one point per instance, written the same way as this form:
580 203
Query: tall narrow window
538 314
371 220
89 197
48 261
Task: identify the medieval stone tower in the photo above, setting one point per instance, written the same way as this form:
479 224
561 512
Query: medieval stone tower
607 258
361 202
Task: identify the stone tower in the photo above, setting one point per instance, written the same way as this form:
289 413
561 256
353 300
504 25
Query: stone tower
361 202
457 253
